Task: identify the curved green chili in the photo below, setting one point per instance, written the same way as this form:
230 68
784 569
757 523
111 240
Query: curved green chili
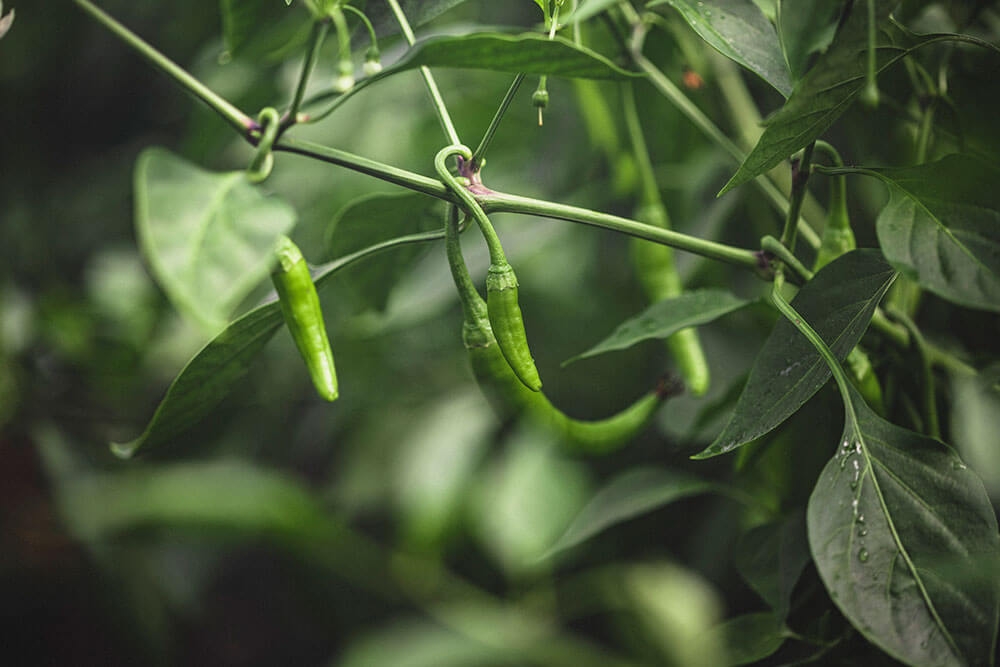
509 394
303 316
501 283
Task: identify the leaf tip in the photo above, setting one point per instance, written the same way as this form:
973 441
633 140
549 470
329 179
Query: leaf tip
125 450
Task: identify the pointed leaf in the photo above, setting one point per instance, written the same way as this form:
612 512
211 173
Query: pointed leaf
839 302
529 53
820 98
942 226
374 218
806 27
664 318
629 495
209 238
748 638
896 524
738 30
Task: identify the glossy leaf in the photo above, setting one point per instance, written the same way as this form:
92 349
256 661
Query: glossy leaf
838 302
664 318
374 218
771 559
748 638
529 53
738 30
896 521
208 237
820 97
629 495
942 227
806 27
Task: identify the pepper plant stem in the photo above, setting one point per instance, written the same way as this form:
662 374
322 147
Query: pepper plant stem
229 113
316 35
477 155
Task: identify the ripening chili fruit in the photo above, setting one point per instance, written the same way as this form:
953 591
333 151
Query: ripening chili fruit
508 325
303 316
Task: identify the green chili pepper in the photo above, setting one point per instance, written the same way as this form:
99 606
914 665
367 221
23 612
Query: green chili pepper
508 393
300 307
838 238
501 283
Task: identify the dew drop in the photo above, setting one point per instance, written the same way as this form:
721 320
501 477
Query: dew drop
958 465
862 531
863 555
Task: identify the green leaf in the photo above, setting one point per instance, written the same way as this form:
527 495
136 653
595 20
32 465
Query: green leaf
838 302
942 227
771 559
208 378
975 422
258 25
748 638
625 497
233 497
738 30
820 97
665 318
896 522
587 9
806 27
529 53
374 218
417 12
209 238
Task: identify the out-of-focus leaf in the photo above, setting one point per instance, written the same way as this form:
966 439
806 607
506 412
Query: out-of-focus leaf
942 227
423 644
375 218
625 497
895 521
806 27
417 13
586 9
838 302
748 638
261 27
975 423
738 30
771 559
208 237
665 318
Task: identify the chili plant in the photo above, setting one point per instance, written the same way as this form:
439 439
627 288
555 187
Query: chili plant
811 206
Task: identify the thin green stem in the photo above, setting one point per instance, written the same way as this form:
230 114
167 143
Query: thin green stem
341 97
316 36
471 300
650 190
472 206
781 252
239 120
325 271
800 177
499 202
924 131
870 93
930 413
364 19
442 111
484 144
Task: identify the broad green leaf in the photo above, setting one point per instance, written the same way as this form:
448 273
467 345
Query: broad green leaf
374 218
261 27
208 378
896 522
806 27
529 53
820 97
771 559
208 237
748 638
838 302
664 318
221 364
738 30
942 227
227 497
627 496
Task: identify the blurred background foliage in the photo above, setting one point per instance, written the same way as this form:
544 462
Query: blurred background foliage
406 524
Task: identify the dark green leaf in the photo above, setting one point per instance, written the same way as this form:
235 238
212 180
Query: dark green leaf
667 317
374 218
748 638
417 13
208 378
838 302
806 27
942 226
530 53
259 26
771 559
738 30
819 99
896 522
208 237
627 496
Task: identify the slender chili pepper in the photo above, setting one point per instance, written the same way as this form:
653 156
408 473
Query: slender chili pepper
508 394
501 283
300 307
